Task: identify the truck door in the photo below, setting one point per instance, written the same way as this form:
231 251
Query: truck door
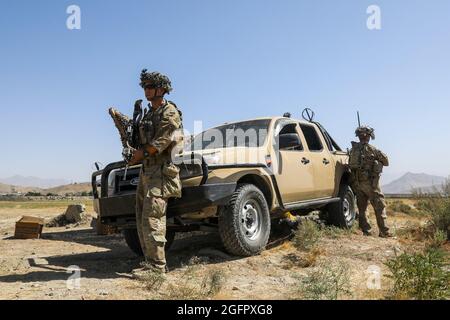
294 174
321 159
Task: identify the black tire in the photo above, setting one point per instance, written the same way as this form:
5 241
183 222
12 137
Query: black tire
244 224
342 214
132 240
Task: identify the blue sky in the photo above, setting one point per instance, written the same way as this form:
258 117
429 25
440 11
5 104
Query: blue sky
228 60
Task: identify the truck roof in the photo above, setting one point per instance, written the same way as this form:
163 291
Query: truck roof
260 118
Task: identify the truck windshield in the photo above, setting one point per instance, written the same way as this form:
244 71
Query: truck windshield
240 134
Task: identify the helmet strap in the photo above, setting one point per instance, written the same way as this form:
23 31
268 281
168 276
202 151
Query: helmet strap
156 90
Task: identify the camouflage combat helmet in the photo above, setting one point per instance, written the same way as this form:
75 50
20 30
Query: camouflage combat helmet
365 130
155 80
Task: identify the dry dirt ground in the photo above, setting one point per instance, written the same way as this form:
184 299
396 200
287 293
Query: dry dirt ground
39 269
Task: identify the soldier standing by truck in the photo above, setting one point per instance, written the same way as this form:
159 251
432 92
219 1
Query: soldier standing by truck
366 164
159 176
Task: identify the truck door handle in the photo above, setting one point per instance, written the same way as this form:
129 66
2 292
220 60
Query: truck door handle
325 161
305 161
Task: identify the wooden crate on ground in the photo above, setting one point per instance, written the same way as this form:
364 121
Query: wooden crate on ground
29 228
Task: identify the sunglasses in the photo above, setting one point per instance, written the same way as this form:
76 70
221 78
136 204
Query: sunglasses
149 86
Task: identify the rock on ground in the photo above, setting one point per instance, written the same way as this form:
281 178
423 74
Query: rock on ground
75 213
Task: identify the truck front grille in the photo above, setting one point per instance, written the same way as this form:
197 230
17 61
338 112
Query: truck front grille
131 181
128 184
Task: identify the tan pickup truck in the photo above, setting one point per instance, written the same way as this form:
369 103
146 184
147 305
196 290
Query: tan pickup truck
239 179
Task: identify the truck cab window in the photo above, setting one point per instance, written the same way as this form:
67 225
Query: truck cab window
312 138
289 139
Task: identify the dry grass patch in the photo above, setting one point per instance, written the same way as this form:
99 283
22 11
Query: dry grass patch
194 286
302 260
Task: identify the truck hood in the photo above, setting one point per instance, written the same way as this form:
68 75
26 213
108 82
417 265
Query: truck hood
236 155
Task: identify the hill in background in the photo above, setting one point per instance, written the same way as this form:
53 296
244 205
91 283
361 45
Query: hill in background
6 188
410 182
70 188
34 182
60 190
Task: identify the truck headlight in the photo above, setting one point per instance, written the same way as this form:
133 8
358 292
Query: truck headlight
112 183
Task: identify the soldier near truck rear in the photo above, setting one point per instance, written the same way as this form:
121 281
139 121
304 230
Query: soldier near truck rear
366 164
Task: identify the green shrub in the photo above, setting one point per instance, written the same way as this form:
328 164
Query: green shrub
50 194
400 206
421 276
306 236
33 194
438 239
425 205
440 217
327 282
334 232
416 232
438 207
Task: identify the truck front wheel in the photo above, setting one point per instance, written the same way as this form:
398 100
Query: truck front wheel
244 224
132 239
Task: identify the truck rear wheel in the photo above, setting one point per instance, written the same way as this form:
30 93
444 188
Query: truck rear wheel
343 213
132 239
244 224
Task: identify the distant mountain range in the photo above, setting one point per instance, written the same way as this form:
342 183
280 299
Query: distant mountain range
411 182
60 190
33 182
23 184
6 188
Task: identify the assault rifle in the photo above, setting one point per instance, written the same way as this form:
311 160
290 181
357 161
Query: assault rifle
128 131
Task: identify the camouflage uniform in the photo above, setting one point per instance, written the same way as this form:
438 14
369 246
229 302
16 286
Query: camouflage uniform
159 180
366 163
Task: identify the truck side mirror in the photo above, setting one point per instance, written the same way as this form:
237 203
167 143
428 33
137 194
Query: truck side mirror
97 166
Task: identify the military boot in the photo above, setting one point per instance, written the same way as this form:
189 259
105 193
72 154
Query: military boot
387 234
146 269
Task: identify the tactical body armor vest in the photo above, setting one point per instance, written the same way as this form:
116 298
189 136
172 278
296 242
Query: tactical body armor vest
364 162
148 128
